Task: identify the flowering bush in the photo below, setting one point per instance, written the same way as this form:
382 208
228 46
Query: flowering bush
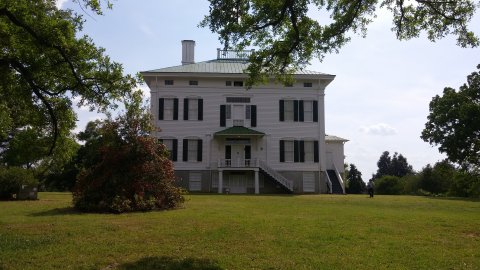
125 169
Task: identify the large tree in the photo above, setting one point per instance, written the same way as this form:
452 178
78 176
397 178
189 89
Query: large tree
454 122
44 64
287 34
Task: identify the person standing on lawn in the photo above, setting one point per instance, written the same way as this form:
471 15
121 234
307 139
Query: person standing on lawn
370 186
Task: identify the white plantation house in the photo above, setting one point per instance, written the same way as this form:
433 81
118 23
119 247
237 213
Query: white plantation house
227 139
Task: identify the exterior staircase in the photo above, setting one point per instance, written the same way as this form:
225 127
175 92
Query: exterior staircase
287 184
336 185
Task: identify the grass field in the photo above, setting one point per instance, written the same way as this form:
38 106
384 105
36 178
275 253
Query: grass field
246 232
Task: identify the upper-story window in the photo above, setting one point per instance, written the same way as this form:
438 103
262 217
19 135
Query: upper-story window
307 84
298 110
168 109
289 110
238 115
193 109
168 82
308 110
193 83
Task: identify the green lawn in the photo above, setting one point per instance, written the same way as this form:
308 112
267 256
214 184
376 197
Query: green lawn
246 232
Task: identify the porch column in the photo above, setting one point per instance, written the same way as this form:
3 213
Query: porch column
257 184
220 181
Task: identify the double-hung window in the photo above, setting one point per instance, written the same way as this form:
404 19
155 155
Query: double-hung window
289 151
192 150
308 111
289 110
193 109
299 151
168 109
298 110
308 150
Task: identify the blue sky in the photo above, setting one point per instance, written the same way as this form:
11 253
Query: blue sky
379 99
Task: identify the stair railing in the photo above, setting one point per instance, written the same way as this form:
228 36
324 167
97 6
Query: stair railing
329 183
340 179
276 175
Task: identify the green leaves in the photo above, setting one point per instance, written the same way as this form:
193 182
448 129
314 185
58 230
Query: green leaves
44 65
454 122
287 36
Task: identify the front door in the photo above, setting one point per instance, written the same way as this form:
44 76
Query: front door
238 155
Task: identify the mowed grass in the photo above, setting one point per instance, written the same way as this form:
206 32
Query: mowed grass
246 232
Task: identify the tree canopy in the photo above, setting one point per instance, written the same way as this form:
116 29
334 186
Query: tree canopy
288 34
454 122
44 64
397 165
354 180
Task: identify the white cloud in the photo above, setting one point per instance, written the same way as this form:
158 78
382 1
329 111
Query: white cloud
380 129
60 3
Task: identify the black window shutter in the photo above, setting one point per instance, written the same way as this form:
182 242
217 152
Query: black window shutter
223 115
174 150
282 151
185 150
253 115
295 151
200 109
282 110
295 110
300 111
175 109
315 111
248 152
185 109
228 151
160 108
199 150
315 151
302 151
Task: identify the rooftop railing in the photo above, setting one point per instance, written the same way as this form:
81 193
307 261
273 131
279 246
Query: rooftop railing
233 54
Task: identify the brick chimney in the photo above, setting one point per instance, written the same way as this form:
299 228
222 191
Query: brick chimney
188 52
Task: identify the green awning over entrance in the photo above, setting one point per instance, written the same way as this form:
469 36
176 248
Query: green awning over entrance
239 131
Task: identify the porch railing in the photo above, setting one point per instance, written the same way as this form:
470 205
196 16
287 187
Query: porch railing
238 163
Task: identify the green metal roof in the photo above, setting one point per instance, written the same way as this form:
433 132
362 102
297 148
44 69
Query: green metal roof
239 131
224 66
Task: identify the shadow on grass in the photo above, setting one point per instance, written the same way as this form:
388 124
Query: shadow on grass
169 263
467 199
56 212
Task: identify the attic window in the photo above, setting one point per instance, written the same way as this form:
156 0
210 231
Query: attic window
307 84
168 82
193 82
